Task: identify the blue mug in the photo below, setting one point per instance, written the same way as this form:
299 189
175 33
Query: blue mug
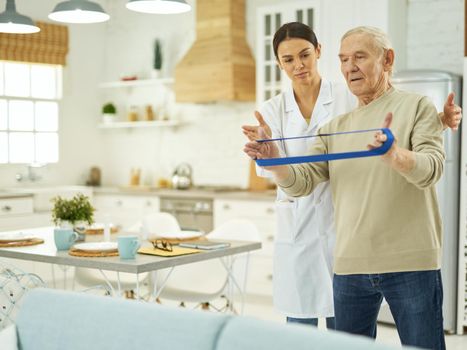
64 238
127 246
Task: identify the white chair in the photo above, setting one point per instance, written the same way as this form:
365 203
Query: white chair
152 224
14 283
204 282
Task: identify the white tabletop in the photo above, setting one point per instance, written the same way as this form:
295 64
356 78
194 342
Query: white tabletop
47 253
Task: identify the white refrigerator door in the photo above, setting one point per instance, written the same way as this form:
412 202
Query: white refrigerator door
437 85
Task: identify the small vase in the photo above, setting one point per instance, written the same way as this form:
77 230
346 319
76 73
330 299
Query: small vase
108 118
155 73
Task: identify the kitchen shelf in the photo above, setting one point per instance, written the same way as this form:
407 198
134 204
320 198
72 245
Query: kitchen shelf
140 124
136 83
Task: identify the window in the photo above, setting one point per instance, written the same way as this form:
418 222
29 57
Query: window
29 95
269 79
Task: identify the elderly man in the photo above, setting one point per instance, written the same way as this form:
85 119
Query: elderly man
387 218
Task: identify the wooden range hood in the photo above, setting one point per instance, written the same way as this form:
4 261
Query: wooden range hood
219 66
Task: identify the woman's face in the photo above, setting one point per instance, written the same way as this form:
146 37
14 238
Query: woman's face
298 58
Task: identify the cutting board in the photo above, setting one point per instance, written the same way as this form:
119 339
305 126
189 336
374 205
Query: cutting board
255 182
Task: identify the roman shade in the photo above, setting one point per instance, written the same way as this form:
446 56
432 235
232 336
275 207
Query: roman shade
49 46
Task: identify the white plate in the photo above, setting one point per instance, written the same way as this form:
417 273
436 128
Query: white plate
15 237
96 246
181 234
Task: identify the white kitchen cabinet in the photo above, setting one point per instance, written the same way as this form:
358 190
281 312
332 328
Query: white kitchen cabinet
18 213
124 210
262 213
16 206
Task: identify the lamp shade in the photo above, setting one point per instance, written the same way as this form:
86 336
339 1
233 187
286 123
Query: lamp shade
78 11
14 23
158 6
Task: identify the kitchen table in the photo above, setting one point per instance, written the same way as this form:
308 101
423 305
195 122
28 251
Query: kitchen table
47 253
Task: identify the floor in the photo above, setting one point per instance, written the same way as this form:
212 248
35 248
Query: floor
261 307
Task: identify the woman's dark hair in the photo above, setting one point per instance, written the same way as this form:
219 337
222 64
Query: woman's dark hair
293 30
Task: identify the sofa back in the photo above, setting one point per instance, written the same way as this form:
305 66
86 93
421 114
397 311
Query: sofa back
52 320
57 320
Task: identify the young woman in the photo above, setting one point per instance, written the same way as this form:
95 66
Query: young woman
302 283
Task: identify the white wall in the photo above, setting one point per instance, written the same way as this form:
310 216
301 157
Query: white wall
211 138
436 35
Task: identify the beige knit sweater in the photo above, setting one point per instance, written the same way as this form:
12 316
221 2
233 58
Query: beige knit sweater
385 221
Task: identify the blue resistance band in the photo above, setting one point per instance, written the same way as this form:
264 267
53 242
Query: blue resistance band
329 156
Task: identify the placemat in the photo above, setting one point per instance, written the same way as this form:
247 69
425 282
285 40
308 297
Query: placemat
177 251
32 241
99 231
87 254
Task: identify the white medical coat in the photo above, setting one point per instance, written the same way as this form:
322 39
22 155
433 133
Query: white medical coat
304 242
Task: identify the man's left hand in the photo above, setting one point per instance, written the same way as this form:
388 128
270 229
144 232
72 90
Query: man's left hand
451 118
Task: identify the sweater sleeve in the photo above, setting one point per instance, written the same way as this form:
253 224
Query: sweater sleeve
303 178
427 144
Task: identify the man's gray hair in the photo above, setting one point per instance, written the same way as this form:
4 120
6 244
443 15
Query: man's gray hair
380 38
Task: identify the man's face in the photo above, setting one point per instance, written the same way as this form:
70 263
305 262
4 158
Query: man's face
362 65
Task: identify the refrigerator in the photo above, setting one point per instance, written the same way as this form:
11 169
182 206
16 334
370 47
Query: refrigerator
437 85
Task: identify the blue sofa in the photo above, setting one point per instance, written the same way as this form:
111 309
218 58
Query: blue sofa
53 320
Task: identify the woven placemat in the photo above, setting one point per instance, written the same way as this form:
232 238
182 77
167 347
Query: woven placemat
32 241
99 231
88 254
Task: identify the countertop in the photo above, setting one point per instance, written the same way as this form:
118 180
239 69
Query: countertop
196 192
268 195
9 195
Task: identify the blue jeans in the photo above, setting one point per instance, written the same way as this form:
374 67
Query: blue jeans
330 323
415 299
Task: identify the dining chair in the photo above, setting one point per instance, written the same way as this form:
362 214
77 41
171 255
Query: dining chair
14 283
204 282
150 226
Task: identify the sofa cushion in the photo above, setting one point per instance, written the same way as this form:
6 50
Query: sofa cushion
245 333
51 319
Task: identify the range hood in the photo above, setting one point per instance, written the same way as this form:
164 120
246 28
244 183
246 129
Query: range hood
219 66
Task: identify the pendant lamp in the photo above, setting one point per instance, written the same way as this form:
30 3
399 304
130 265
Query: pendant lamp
78 11
14 23
158 6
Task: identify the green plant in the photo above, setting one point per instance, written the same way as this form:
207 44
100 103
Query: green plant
109 108
73 210
157 55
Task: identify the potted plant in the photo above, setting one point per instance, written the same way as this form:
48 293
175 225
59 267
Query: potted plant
157 64
72 213
109 111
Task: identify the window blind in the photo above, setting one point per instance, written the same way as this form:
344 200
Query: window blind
49 46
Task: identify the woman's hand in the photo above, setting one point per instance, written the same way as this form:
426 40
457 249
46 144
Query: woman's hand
251 131
262 150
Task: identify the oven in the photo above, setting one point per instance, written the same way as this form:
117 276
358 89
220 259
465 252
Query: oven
192 213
